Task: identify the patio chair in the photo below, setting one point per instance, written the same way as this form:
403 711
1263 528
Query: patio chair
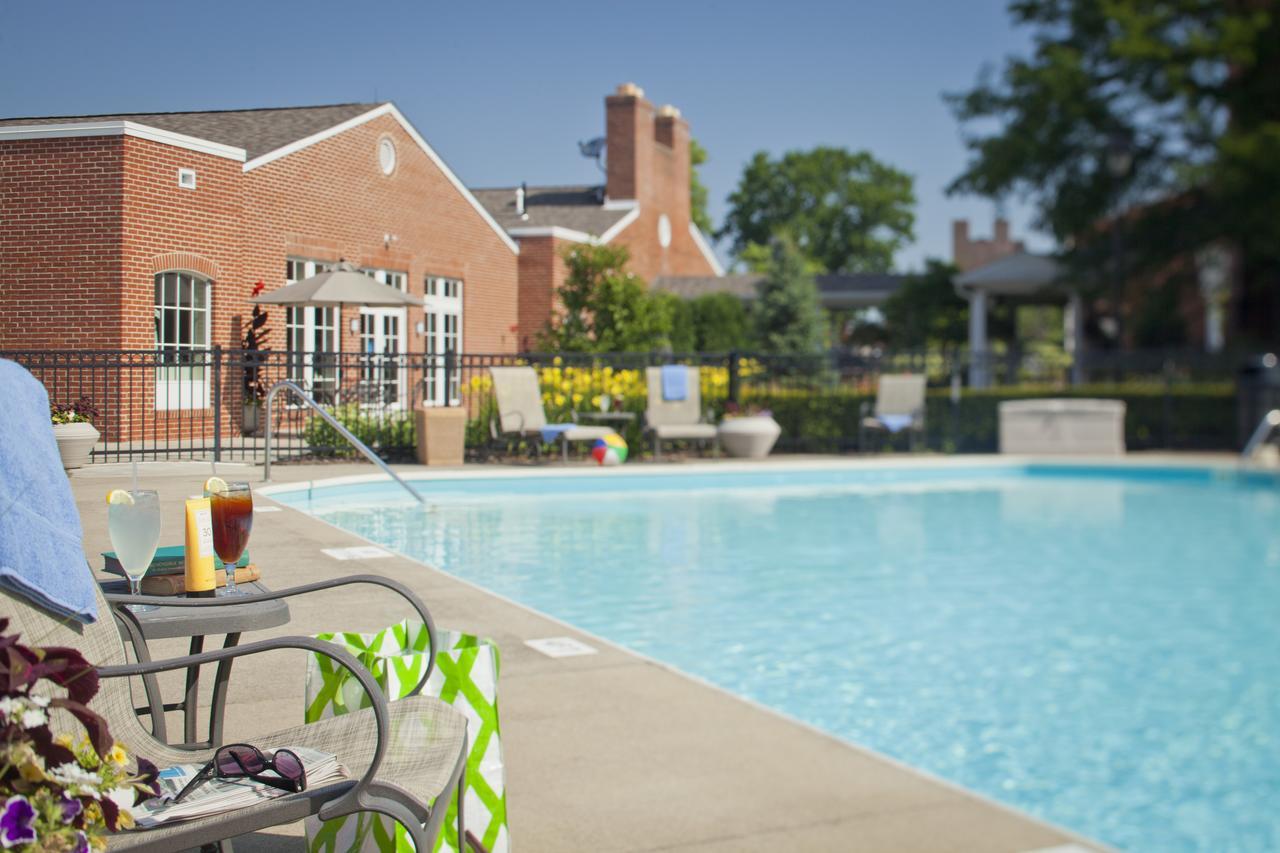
406 758
677 419
900 405
520 411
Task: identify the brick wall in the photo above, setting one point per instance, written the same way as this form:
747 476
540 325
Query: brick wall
542 271
968 253
61 209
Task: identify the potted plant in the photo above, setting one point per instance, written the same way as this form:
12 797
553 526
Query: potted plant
255 384
750 433
74 431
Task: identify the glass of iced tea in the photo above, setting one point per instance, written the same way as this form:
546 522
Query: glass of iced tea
232 520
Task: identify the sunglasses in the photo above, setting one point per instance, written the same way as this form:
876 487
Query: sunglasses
240 760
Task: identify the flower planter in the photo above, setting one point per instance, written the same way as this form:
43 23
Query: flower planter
250 420
75 443
442 435
749 437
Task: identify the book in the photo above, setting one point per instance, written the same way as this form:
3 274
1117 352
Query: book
169 560
177 584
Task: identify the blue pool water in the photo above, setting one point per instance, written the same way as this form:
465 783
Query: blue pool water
1096 646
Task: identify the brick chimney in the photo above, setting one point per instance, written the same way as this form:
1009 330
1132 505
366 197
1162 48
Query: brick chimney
630 134
671 162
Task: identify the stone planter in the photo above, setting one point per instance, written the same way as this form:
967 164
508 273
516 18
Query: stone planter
750 437
251 419
442 435
75 442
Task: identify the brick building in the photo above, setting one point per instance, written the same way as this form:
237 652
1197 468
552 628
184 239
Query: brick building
643 205
968 253
149 231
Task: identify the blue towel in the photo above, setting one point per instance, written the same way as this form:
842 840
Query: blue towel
551 432
895 423
41 552
675 382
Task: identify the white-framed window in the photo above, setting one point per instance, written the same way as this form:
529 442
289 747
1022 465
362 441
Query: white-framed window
311 336
391 278
443 334
182 308
382 332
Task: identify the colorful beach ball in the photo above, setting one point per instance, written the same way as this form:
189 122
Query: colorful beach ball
610 450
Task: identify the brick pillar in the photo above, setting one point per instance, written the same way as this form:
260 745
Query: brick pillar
629 131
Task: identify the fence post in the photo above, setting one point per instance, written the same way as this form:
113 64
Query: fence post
1167 370
450 365
734 389
217 402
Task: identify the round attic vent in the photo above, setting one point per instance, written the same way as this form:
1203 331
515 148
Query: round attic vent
387 155
664 231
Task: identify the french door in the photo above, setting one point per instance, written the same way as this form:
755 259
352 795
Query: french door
382 373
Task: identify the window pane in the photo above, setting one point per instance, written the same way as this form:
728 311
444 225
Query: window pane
170 296
201 289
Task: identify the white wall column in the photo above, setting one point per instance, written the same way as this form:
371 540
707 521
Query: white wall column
978 355
1073 336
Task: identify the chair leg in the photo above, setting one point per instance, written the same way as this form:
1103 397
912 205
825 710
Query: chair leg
657 449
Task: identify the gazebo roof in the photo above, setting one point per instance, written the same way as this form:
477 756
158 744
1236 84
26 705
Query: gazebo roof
1019 274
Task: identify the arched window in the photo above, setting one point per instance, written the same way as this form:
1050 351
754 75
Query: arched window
182 308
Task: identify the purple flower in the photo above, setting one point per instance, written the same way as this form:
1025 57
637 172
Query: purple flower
17 822
82 843
71 807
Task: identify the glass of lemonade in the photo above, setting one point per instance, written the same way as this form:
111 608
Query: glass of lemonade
133 520
232 520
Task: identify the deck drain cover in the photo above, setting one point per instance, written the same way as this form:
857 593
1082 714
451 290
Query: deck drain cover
357 552
560 647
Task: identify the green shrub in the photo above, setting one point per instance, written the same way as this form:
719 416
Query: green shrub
391 435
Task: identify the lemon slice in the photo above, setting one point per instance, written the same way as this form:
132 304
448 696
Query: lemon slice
119 496
215 486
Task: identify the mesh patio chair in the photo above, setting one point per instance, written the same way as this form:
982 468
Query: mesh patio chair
900 405
677 419
407 758
520 411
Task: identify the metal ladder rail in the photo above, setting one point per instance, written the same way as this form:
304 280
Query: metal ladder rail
285 384
1265 427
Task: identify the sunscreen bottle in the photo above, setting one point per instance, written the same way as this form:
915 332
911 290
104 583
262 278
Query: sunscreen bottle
200 580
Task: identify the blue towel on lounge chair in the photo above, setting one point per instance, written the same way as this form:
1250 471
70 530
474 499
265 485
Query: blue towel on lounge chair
41 552
675 382
551 432
895 423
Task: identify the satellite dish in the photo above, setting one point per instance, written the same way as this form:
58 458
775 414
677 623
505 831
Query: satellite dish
594 149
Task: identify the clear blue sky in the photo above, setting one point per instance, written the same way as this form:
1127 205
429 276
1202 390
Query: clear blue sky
504 90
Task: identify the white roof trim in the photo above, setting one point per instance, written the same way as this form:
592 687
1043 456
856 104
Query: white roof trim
616 228
620 203
388 109
553 231
700 241
119 127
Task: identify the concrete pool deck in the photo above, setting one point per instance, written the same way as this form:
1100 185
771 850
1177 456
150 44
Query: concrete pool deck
604 752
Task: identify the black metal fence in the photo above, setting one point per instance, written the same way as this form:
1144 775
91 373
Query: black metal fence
208 403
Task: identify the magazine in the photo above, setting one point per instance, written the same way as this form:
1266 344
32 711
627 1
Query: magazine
221 795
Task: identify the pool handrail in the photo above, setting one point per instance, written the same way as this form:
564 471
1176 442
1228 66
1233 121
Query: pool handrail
1265 427
359 445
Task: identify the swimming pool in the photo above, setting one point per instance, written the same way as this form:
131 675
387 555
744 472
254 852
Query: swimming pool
1098 646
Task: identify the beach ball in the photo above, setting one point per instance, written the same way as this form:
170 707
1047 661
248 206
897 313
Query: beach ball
610 450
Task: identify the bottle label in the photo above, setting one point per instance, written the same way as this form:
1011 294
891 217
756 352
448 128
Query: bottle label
204 532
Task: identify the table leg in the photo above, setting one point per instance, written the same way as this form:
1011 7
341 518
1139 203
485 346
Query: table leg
191 702
218 704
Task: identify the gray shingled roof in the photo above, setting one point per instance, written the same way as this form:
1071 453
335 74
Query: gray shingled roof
258 131
578 208
838 290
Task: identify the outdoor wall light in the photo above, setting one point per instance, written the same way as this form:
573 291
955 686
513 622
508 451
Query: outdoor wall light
355 324
420 328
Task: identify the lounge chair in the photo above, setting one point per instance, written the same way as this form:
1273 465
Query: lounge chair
406 757
677 419
520 411
900 405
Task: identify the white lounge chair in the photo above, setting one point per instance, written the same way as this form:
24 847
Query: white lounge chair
520 410
900 405
677 419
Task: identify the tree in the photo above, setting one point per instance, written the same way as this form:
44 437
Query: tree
720 322
787 315
697 189
606 308
1189 88
683 334
926 311
845 210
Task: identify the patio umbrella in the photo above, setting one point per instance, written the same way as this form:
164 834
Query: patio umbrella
342 285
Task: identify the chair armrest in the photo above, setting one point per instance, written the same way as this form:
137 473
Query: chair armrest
330 650
116 599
